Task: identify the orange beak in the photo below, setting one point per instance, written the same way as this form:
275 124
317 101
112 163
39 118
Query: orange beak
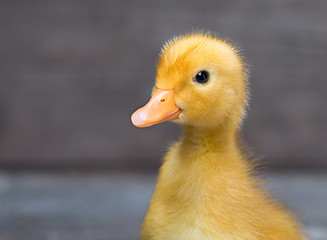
160 108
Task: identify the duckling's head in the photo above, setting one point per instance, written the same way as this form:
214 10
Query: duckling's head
201 81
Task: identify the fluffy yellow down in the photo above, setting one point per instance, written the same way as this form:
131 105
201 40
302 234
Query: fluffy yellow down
206 188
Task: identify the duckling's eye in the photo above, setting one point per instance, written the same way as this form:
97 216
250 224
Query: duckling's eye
202 77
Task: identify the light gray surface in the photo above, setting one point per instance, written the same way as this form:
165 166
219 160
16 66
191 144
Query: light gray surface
72 72
106 206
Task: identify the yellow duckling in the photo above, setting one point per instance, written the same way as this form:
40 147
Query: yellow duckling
205 187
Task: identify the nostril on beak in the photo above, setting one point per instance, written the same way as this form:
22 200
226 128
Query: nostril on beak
162 99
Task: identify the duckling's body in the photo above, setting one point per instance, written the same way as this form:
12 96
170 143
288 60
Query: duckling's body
206 189
209 193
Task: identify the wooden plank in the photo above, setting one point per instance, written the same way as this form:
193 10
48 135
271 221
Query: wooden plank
45 206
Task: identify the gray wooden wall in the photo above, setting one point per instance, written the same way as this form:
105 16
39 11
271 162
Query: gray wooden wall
72 72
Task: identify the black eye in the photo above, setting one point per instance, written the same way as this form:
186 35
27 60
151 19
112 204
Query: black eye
202 77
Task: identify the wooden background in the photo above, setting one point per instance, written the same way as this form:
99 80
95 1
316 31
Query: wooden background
72 72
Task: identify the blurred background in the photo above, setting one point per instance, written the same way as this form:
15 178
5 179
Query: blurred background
72 72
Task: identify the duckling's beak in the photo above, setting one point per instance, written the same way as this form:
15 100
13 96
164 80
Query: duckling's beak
160 108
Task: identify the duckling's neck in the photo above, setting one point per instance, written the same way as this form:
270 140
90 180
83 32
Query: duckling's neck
221 139
196 165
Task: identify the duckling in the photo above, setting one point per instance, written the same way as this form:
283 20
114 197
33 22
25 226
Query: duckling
206 188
